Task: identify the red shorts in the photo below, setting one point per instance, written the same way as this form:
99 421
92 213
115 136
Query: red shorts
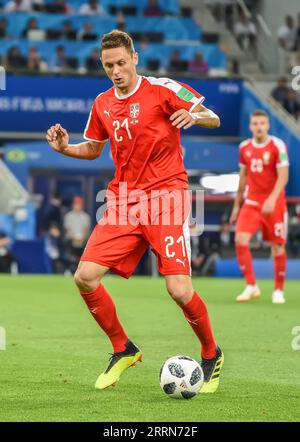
273 226
119 244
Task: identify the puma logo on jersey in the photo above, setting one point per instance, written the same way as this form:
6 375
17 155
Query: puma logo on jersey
181 262
107 113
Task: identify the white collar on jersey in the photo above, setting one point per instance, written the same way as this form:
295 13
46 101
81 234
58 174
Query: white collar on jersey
261 144
122 97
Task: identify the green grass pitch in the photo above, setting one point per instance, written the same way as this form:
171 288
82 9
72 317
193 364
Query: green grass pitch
55 352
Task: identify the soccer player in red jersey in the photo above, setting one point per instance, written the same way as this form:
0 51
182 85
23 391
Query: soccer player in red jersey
142 118
264 170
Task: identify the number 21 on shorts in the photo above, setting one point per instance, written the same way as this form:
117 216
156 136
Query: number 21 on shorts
169 240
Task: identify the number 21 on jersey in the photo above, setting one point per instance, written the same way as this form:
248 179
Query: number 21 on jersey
117 125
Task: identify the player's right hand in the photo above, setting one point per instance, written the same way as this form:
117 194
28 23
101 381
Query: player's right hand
234 215
57 137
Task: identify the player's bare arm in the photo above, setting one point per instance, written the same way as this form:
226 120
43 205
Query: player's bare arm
58 139
282 180
239 195
201 116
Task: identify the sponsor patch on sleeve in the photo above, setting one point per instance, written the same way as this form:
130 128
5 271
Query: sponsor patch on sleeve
185 94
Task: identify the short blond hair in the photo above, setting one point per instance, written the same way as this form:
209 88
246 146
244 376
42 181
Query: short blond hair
117 39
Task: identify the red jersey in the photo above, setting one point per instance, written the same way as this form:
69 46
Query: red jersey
145 146
262 162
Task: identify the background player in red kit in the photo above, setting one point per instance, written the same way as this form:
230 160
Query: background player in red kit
142 118
264 170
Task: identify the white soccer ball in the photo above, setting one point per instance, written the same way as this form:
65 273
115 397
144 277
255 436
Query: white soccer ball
181 377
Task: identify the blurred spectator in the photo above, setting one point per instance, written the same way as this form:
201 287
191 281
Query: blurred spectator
68 32
60 60
77 224
198 64
121 25
245 32
176 64
147 56
93 7
3 28
18 6
53 213
144 43
294 232
223 10
210 250
226 238
38 5
87 32
6 258
59 7
153 9
297 44
55 248
197 257
34 61
93 63
14 59
291 104
32 25
280 92
287 34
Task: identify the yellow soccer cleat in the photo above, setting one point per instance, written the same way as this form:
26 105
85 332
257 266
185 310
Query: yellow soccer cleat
119 362
211 370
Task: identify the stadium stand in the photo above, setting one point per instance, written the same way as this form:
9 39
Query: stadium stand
164 34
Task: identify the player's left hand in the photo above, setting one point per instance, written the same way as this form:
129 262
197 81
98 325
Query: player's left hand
182 118
268 206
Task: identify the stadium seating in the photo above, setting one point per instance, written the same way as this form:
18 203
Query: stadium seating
180 33
173 28
167 6
212 54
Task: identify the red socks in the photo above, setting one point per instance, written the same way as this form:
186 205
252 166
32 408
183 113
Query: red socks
279 271
103 309
244 258
196 313
245 262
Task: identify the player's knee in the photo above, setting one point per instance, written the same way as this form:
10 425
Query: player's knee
242 239
85 280
180 292
277 249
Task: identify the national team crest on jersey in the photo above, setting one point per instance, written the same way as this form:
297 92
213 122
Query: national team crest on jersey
248 153
266 157
134 110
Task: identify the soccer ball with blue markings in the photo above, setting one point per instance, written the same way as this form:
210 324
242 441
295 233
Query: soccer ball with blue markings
181 377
